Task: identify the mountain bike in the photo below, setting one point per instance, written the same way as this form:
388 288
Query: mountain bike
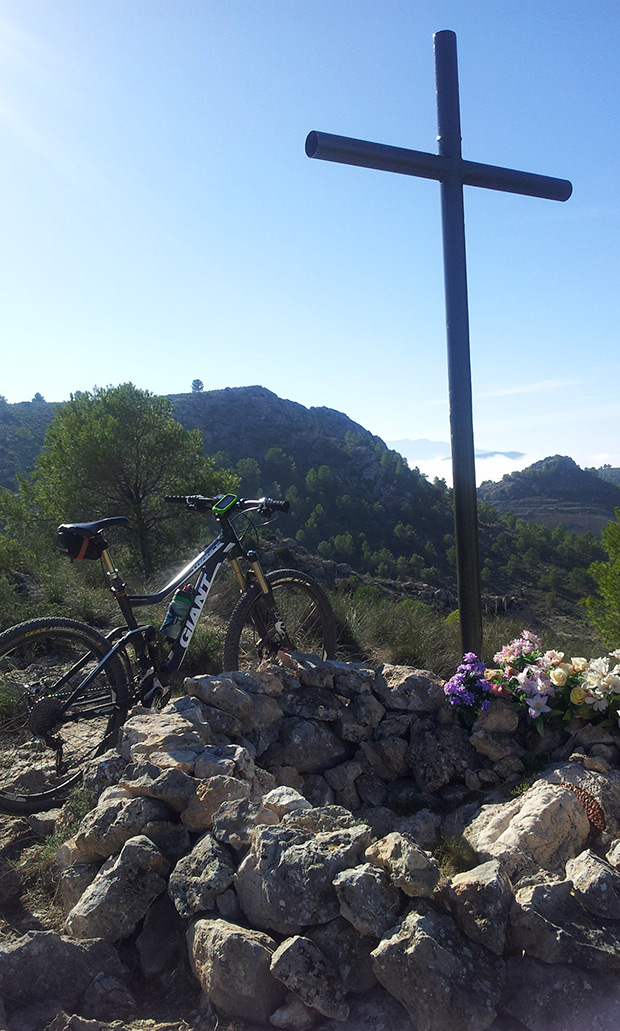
66 688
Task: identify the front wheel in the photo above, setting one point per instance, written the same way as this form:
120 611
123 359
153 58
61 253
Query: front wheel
296 616
48 734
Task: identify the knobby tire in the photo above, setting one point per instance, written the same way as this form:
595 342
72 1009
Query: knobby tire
38 672
307 615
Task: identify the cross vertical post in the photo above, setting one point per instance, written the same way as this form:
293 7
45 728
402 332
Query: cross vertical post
457 338
453 172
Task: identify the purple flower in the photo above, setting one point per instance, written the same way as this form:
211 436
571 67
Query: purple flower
468 687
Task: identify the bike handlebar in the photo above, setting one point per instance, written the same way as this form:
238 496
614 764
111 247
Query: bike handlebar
203 504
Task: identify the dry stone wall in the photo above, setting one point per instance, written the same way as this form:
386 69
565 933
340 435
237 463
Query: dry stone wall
279 827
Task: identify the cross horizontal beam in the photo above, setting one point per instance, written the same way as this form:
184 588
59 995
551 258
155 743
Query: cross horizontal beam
345 150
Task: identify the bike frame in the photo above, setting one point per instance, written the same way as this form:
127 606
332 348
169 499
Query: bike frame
206 565
226 547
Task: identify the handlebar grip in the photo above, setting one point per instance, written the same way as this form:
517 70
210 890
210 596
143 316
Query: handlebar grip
277 506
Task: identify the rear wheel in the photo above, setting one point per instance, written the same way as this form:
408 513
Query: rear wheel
45 742
297 617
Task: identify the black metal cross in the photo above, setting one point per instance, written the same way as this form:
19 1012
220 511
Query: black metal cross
453 172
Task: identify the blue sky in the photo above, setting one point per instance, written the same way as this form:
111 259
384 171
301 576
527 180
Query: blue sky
160 221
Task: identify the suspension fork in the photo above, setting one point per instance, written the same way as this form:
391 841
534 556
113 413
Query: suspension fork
256 569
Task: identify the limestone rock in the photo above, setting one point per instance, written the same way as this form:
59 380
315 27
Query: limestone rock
394 724
368 899
410 868
283 800
234 822
227 760
208 797
386 758
560 997
351 679
11 885
220 692
347 951
596 884
170 786
343 776
108 998
500 718
438 754
380 819
69 854
259 682
310 670
320 819
44 824
480 901
308 745
422 826
266 714
285 881
495 746
375 1011
74 881
114 903
360 717
414 690
168 732
232 964
293 1013
303 968
311 703
315 788
613 855
44 965
371 790
445 981
172 839
547 922
199 877
161 936
544 827
605 789
106 828
105 770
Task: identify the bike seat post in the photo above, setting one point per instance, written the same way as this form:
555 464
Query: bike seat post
115 583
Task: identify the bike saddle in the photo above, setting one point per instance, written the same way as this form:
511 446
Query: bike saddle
90 529
85 540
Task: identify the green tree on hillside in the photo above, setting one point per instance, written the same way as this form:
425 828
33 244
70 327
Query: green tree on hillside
604 611
118 451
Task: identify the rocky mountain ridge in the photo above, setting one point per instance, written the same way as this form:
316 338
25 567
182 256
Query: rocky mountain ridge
245 422
555 491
